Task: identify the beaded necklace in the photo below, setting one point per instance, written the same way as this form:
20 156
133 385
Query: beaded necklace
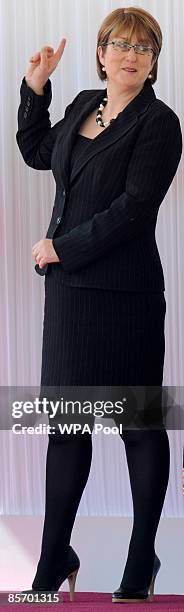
99 119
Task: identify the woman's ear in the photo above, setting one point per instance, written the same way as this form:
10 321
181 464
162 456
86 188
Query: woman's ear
101 58
154 60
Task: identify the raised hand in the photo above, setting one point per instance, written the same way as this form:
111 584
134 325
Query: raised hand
42 64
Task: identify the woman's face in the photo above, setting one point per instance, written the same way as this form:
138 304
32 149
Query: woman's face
127 69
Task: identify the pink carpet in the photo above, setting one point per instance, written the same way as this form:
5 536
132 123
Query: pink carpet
94 602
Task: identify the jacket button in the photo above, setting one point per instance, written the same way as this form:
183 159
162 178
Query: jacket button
25 115
58 220
64 193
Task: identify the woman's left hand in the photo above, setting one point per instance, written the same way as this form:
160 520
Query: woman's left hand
43 252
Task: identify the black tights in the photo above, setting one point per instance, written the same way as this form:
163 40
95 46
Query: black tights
67 471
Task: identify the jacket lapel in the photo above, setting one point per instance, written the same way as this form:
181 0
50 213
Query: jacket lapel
124 122
65 141
105 139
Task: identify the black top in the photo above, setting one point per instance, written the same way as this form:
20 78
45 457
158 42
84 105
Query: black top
80 145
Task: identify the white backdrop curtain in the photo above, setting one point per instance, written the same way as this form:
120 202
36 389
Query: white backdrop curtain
25 209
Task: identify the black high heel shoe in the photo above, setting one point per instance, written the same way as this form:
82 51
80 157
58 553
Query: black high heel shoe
123 596
69 571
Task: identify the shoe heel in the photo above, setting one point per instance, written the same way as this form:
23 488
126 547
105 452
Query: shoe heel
71 582
156 568
151 589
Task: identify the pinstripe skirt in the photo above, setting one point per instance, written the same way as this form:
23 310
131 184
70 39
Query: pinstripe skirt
102 337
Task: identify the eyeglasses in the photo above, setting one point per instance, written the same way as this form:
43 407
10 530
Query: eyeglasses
123 46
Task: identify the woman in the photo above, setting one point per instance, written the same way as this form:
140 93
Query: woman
113 156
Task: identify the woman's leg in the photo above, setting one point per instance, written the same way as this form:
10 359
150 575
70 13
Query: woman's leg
148 463
67 470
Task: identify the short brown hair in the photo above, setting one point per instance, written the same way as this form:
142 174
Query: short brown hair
135 20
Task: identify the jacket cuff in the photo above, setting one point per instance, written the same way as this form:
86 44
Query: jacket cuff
32 103
69 252
26 89
60 246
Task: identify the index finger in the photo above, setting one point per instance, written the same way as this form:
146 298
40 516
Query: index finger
58 54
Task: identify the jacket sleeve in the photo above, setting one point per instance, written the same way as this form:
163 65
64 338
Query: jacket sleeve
151 169
35 136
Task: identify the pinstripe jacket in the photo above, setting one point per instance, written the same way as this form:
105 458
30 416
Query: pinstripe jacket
105 210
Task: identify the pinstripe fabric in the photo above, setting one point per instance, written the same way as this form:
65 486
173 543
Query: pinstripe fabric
95 334
105 211
99 337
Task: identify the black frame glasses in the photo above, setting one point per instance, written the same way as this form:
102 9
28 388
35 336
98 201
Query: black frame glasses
124 46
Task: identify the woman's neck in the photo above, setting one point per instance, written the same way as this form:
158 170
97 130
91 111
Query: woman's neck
118 100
